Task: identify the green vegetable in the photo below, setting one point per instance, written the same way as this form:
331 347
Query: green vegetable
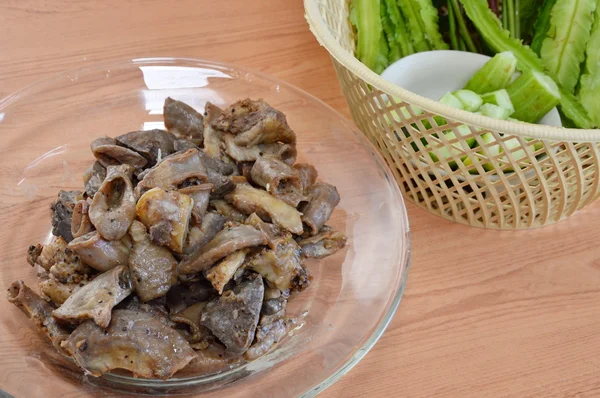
495 74
528 10
508 9
429 16
499 98
405 113
370 48
414 25
464 130
389 29
498 39
462 27
470 100
494 111
533 95
401 34
517 19
542 25
493 151
456 150
563 50
452 28
590 80
451 100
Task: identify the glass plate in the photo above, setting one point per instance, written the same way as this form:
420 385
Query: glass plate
46 131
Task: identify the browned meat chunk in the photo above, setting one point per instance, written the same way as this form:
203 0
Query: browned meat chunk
273 306
155 308
62 212
47 255
153 268
273 232
56 290
153 145
93 177
323 244
108 153
183 121
167 215
211 360
176 171
99 253
113 207
220 274
185 295
60 261
39 311
308 176
282 267
33 253
251 200
80 221
255 122
233 317
190 317
227 210
216 164
228 240
278 178
201 196
269 335
96 299
212 137
200 235
182 144
134 341
323 199
222 184
285 152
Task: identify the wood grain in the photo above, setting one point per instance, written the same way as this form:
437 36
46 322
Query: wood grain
485 313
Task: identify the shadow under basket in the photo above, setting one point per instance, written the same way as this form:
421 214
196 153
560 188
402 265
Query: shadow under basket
461 166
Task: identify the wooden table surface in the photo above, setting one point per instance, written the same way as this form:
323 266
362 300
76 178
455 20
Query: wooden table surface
485 313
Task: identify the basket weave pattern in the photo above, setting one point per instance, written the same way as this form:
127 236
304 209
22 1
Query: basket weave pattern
511 182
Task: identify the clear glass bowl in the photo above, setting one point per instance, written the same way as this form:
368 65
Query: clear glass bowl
46 131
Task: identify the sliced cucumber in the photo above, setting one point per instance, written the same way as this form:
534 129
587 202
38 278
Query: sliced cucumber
451 100
533 95
497 149
444 153
464 130
499 98
494 111
495 74
471 101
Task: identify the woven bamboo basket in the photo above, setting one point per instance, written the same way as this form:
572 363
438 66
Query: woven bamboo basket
531 176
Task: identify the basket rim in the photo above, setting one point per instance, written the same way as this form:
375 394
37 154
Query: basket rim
321 31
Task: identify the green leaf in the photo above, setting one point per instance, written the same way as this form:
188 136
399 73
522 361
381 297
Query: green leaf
414 25
542 24
401 33
563 50
589 93
382 58
389 28
429 16
527 12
